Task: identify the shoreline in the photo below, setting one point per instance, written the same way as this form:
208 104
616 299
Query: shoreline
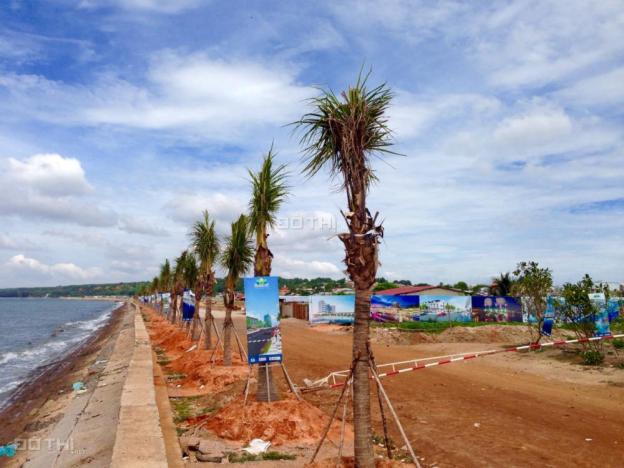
51 381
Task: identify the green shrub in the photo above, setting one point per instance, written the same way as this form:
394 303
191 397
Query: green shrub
592 358
618 343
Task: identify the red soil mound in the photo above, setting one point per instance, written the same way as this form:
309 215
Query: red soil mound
288 421
196 366
199 372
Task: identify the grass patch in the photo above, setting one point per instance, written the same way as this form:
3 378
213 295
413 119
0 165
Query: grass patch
592 358
438 327
618 343
247 457
183 408
176 376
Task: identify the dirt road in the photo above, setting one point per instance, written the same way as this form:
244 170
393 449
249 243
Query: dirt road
512 410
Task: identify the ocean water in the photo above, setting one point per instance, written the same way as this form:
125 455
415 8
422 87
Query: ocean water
34 332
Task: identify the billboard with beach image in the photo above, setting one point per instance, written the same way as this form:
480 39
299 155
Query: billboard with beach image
264 340
395 309
445 309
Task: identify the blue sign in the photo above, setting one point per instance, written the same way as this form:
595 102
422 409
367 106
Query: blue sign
264 339
188 306
549 316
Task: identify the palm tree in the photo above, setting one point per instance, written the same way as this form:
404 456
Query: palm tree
205 244
177 284
164 278
342 134
502 285
269 190
191 281
236 259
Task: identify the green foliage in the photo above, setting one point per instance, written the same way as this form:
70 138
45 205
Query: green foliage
344 130
244 457
238 253
268 192
618 343
461 285
205 243
592 357
380 286
534 283
502 286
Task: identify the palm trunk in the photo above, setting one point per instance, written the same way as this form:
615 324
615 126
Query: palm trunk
208 322
195 317
227 327
364 455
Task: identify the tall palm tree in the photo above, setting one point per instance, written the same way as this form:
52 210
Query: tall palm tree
236 259
177 285
205 243
502 285
342 134
269 190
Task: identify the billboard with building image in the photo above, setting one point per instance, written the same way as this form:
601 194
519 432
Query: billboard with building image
332 309
496 309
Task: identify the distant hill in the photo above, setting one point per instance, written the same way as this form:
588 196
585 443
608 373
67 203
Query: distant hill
295 286
111 289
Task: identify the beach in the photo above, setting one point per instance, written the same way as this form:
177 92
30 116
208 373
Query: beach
45 407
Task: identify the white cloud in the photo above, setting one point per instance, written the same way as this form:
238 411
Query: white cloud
49 186
50 174
156 6
289 267
136 225
194 95
535 128
224 208
8 242
602 89
63 270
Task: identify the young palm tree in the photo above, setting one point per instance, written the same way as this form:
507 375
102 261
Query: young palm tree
269 190
177 285
164 278
342 134
205 243
236 258
191 281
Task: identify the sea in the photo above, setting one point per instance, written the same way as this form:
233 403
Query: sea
36 332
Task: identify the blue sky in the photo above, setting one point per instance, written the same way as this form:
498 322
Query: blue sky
120 120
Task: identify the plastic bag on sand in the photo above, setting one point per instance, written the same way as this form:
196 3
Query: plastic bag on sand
79 387
257 446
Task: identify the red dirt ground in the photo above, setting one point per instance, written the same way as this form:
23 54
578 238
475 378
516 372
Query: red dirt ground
288 421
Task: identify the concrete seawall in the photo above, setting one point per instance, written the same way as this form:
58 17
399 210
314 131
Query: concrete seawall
139 441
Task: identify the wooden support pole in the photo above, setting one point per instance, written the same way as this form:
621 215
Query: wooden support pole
342 427
333 415
247 385
394 415
268 383
291 385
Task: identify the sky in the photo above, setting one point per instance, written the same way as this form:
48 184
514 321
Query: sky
121 120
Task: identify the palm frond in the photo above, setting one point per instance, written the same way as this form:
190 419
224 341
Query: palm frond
238 253
343 132
205 242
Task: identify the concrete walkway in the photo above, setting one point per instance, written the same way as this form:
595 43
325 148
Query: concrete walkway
139 441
